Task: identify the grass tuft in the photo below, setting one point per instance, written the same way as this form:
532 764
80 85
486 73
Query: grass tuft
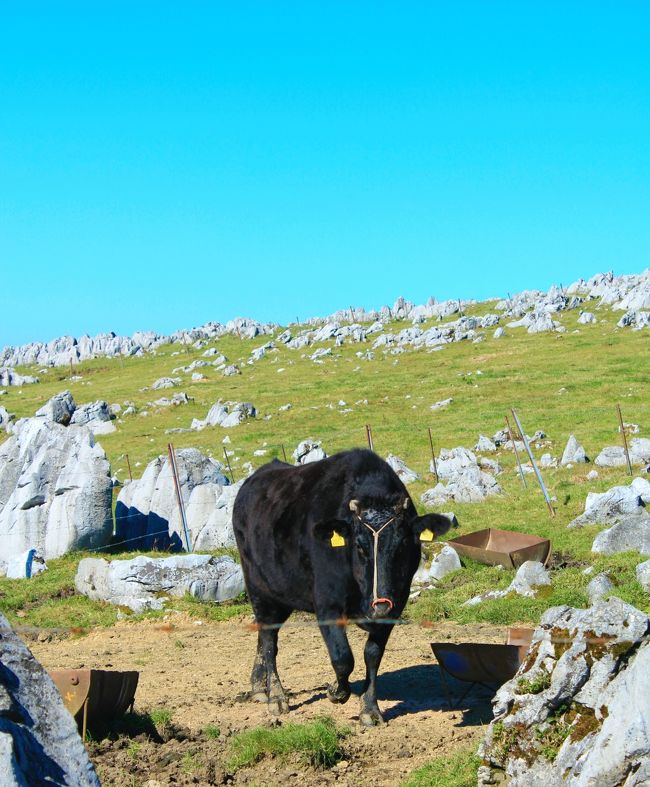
450 770
318 743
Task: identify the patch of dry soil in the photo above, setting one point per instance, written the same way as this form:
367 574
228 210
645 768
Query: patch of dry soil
197 670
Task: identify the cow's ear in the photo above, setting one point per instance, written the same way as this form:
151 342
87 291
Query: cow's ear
336 532
431 525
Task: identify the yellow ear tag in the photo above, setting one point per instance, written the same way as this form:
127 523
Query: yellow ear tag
337 540
426 535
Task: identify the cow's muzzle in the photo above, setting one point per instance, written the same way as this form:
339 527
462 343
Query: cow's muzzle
381 608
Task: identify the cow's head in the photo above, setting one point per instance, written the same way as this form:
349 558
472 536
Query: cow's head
381 539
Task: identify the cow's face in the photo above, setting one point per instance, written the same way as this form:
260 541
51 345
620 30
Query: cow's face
382 541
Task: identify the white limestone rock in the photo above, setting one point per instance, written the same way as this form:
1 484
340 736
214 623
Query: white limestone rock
143 583
308 451
55 490
39 741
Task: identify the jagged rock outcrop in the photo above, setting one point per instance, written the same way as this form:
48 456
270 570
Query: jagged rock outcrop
143 582
147 514
39 742
576 713
55 487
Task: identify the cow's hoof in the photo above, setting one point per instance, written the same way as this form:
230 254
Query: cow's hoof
371 718
278 705
259 696
337 694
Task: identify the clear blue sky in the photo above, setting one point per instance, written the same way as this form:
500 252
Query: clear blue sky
164 164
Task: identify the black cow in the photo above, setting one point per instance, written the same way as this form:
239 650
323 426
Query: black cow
340 538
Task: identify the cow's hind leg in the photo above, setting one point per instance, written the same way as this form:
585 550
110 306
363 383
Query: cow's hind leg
372 654
265 682
342 661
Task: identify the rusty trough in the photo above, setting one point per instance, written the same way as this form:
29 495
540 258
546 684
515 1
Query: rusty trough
483 664
502 547
91 695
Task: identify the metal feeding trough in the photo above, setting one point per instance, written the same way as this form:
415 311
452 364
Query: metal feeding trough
94 694
502 547
482 664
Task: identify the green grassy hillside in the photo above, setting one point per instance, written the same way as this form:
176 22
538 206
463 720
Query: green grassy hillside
560 383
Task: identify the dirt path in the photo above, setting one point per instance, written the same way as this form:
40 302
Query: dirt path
196 670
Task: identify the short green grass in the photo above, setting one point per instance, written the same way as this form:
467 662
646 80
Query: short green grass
450 770
317 742
561 383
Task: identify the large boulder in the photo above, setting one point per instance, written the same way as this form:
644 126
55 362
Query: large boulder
55 490
147 514
39 742
143 582
577 711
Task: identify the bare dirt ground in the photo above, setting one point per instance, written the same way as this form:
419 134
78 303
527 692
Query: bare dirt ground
197 670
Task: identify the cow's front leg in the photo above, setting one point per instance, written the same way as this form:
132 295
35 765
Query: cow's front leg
342 660
372 654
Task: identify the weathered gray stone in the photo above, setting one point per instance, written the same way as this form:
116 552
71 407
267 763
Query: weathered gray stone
485 445
575 713
443 563
631 534
469 485
94 411
39 742
643 575
9 376
599 587
139 583
59 409
406 475
6 419
586 318
530 576
612 505
165 382
308 451
574 453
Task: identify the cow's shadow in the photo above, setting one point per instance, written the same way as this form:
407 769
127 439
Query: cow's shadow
421 688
